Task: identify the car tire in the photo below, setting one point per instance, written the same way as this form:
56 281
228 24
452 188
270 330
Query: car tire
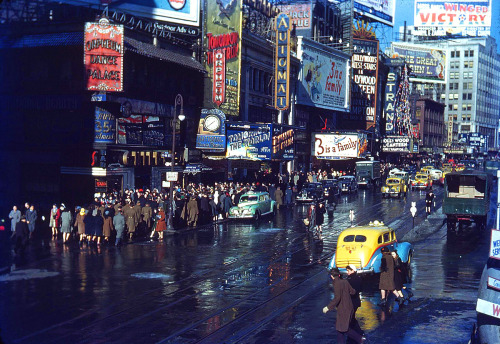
409 272
274 211
257 216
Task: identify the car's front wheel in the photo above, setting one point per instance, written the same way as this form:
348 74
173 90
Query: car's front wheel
257 216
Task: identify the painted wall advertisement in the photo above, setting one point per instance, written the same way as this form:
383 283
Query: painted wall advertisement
185 12
364 81
339 146
104 126
223 56
103 56
399 144
323 77
282 62
300 15
379 10
211 135
248 141
466 18
426 64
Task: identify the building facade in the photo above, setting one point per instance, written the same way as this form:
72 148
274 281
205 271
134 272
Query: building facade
429 115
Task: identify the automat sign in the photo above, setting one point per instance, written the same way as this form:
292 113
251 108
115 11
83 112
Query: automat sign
282 72
103 56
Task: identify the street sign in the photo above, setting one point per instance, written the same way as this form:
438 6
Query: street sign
413 209
495 244
351 216
172 176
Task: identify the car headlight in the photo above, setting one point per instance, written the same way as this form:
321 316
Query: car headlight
247 211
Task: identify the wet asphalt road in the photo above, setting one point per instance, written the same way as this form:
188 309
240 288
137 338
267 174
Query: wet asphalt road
240 282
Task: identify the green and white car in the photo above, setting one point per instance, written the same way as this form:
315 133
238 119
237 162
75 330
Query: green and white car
253 205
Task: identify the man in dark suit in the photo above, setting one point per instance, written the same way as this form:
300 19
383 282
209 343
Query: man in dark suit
345 310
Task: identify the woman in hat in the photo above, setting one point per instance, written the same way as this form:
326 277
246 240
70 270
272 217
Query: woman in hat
80 224
66 221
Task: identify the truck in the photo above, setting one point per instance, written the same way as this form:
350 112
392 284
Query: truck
368 173
466 201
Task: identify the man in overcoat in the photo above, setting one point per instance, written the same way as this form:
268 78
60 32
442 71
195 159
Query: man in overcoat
386 283
345 310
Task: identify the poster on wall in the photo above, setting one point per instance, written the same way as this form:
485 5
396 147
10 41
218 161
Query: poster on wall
248 141
426 64
339 146
283 142
103 56
211 135
223 56
379 10
324 77
364 82
441 18
399 144
104 126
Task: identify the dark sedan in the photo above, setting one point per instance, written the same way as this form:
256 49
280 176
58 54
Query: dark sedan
311 192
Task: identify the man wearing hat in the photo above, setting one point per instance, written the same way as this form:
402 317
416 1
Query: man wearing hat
386 283
356 283
345 310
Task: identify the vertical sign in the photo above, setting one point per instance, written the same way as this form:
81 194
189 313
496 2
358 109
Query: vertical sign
223 56
103 56
391 89
282 71
104 126
364 85
211 135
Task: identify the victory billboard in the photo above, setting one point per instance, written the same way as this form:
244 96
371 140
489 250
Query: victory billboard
324 80
466 18
426 64
339 146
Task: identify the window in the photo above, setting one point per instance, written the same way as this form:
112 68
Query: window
471 53
464 107
455 96
471 64
457 54
387 237
450 96
466 53
465 86
452 54
470 86
380 239
469 96
450 107
469 107
455 106
355 238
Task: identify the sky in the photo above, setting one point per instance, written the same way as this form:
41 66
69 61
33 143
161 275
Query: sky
405 10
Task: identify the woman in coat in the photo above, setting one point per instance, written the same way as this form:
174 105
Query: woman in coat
399 277
66 221
161 225
278 194
98 224
213 208
320 218
386 283
107 226
192 211
80 224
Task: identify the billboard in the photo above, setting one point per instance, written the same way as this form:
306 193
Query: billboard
399 144
323 79
364 81
440 18
103 56
282 62
104 126
300 16
379 10
283 142
248 141
339 146
186 12
211 135
426 64
223 56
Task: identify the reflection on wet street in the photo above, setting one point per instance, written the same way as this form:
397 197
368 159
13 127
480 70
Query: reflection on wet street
239 282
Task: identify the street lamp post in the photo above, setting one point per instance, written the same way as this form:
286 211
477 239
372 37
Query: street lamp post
178 101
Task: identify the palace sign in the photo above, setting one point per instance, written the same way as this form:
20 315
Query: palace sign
103 56
282 72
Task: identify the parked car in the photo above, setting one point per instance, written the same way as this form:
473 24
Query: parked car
348 184
421 181
253 205
330 185
360 246
311 192
394 187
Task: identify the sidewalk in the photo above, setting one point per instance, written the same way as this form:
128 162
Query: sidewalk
430 225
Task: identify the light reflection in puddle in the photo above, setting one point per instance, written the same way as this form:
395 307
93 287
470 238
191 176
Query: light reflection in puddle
152 275
19 275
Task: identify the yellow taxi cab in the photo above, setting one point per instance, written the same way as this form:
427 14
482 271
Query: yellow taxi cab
394 187
460 167
360 246
421 181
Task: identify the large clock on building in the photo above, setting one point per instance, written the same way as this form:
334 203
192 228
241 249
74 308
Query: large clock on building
212 123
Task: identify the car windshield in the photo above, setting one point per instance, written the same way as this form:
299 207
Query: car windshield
313 186
400 175
247 198
421 176
392 181
354 238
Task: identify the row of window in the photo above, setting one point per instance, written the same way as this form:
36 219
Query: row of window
456 64
466 75
467 53
465 107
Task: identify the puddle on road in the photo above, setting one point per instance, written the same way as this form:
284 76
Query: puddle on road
151 275
267 230
27 274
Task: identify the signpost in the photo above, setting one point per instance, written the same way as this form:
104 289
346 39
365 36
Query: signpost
413 211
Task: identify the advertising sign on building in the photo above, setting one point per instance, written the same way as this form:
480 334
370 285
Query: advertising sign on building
426 64
211 135
223 56
282 63
324 77
477 140
248 141
283 142
185 12
398 144
104 126
379 10
391 89
339 146
441 18
103 56
364 81
300 16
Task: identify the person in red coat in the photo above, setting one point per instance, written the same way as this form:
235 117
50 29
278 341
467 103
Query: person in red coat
161 225
345 310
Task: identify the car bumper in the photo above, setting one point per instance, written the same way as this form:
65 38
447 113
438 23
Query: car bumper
420 186
249 216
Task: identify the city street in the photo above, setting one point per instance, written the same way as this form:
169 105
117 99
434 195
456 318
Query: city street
242 282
